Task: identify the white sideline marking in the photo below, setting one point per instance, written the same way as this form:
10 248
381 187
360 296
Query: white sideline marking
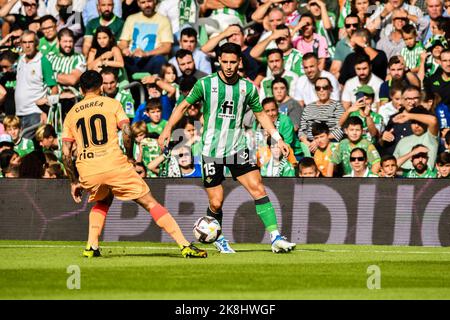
312 250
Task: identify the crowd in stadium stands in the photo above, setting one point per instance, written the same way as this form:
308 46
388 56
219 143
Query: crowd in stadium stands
357 88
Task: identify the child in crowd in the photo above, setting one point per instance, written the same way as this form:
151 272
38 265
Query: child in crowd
413 48
49 141
443 165
307 168
278 165
389 167
353 128
325 148
154 112
22 145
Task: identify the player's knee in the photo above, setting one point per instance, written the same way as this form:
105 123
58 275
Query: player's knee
215 204
257 190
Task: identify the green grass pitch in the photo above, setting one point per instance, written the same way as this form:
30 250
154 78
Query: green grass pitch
142 270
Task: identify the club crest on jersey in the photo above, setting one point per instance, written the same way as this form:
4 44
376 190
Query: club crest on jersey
227 110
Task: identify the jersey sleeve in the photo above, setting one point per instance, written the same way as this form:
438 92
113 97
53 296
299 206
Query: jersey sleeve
121 116
196 93
372 154
67 134
253 100
47 72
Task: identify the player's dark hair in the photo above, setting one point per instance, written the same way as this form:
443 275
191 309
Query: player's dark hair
183 53
232 48
189 32
319 128
154 103
354 121
388 157
90 81
5 157
279 79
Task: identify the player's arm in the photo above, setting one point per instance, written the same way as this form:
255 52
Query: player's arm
267 124
127 139
175 117
69 165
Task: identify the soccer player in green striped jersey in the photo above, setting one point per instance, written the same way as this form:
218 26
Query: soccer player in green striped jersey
225 97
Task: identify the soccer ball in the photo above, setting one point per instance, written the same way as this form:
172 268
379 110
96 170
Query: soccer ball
207 229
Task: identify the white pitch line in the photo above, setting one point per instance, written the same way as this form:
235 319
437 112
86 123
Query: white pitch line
312 250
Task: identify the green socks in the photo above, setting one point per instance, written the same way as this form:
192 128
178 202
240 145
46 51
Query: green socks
266 213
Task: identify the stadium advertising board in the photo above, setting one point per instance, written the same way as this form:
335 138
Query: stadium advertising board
333 211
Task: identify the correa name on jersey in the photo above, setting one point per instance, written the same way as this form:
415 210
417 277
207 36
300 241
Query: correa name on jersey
91 104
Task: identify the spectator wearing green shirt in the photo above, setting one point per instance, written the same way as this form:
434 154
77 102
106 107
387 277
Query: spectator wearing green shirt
154 112
286 104
372 122
358 162
292 58
344 46
145 148
278 165
425 129
13 127
285 126
419 159
353 129
111 89
49 42
106 19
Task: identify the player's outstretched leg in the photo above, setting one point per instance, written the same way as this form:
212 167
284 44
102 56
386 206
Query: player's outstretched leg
252 181
165 221
215 195
97 218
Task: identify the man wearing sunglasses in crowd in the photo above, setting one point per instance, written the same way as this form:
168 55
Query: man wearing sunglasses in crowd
344 46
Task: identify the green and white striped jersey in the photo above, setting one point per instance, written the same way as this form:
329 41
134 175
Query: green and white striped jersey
224 106
292 62
126 100
63 64
412 56
239 12
320 29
